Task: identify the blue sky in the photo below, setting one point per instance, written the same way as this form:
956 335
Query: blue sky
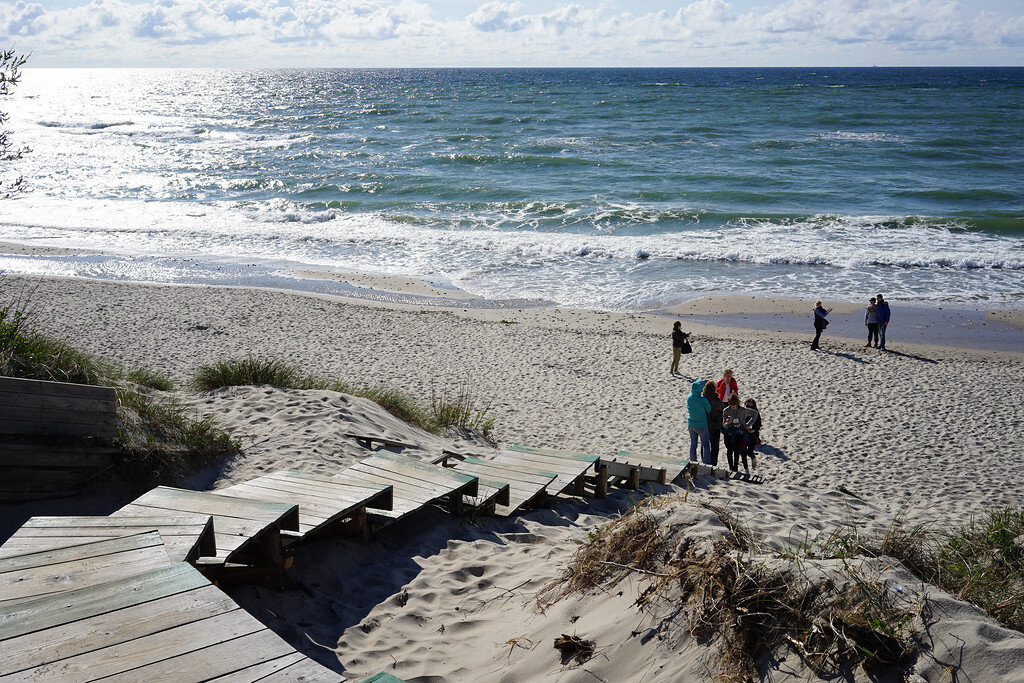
258 33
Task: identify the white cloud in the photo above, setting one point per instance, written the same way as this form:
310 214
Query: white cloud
409 32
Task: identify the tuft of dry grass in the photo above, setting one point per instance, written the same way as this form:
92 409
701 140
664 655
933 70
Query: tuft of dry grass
631 542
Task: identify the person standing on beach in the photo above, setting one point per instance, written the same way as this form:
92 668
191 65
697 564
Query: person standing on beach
871 320
698 410
714 420
883 320
734 426
820 323
727 386
679 346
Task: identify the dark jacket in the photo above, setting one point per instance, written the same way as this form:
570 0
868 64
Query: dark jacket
715 417
678 337
820 318
883 313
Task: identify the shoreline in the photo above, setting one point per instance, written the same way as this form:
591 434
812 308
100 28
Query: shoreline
913 325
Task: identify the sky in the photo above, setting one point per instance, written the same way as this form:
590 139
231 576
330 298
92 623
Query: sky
409 33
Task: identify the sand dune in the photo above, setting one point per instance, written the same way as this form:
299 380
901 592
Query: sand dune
851 436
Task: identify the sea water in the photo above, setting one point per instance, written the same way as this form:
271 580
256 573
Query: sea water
627 189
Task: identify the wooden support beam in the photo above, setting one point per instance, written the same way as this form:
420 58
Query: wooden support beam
601 486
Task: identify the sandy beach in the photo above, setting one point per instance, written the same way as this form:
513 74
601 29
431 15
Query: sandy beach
851 435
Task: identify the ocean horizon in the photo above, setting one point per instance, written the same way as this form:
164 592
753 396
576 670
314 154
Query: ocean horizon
607 188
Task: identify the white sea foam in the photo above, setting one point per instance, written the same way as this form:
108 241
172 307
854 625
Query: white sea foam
606 270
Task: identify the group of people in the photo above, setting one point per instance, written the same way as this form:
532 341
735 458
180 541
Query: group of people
876 318
715 412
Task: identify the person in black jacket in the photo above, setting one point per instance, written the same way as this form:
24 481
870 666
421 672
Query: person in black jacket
678 342
820 322
753 430
714 420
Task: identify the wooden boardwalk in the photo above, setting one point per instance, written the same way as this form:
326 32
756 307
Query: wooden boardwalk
416 484
167 623
527 486
245 531
571 468
186 537
649 467
36 574
325 503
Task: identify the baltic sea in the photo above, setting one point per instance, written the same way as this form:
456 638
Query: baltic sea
624 189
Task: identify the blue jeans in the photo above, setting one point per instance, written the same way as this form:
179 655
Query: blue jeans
881 334
705 444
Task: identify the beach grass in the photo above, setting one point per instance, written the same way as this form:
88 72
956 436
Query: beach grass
28 354
152 379
160 439
460 410
444 411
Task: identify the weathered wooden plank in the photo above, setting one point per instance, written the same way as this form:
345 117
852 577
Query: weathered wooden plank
42 480
403 491
553 463
239 523
570 472
378 496
43 579
45 388
207 503
103 428
131 659
572 455
260 671
44 402
39 459
432 473
64 608
509 471
185 537
57 416
307 671
408 482
340 494
213 660
109 628
625 468
521 492
673 466
142 539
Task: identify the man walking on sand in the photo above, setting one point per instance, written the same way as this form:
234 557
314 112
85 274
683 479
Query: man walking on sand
883 320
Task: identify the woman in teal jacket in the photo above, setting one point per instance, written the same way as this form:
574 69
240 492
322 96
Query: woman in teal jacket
698 408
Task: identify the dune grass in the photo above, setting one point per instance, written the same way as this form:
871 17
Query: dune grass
159 438
444 411
980 560
152 379
30 355
836 617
